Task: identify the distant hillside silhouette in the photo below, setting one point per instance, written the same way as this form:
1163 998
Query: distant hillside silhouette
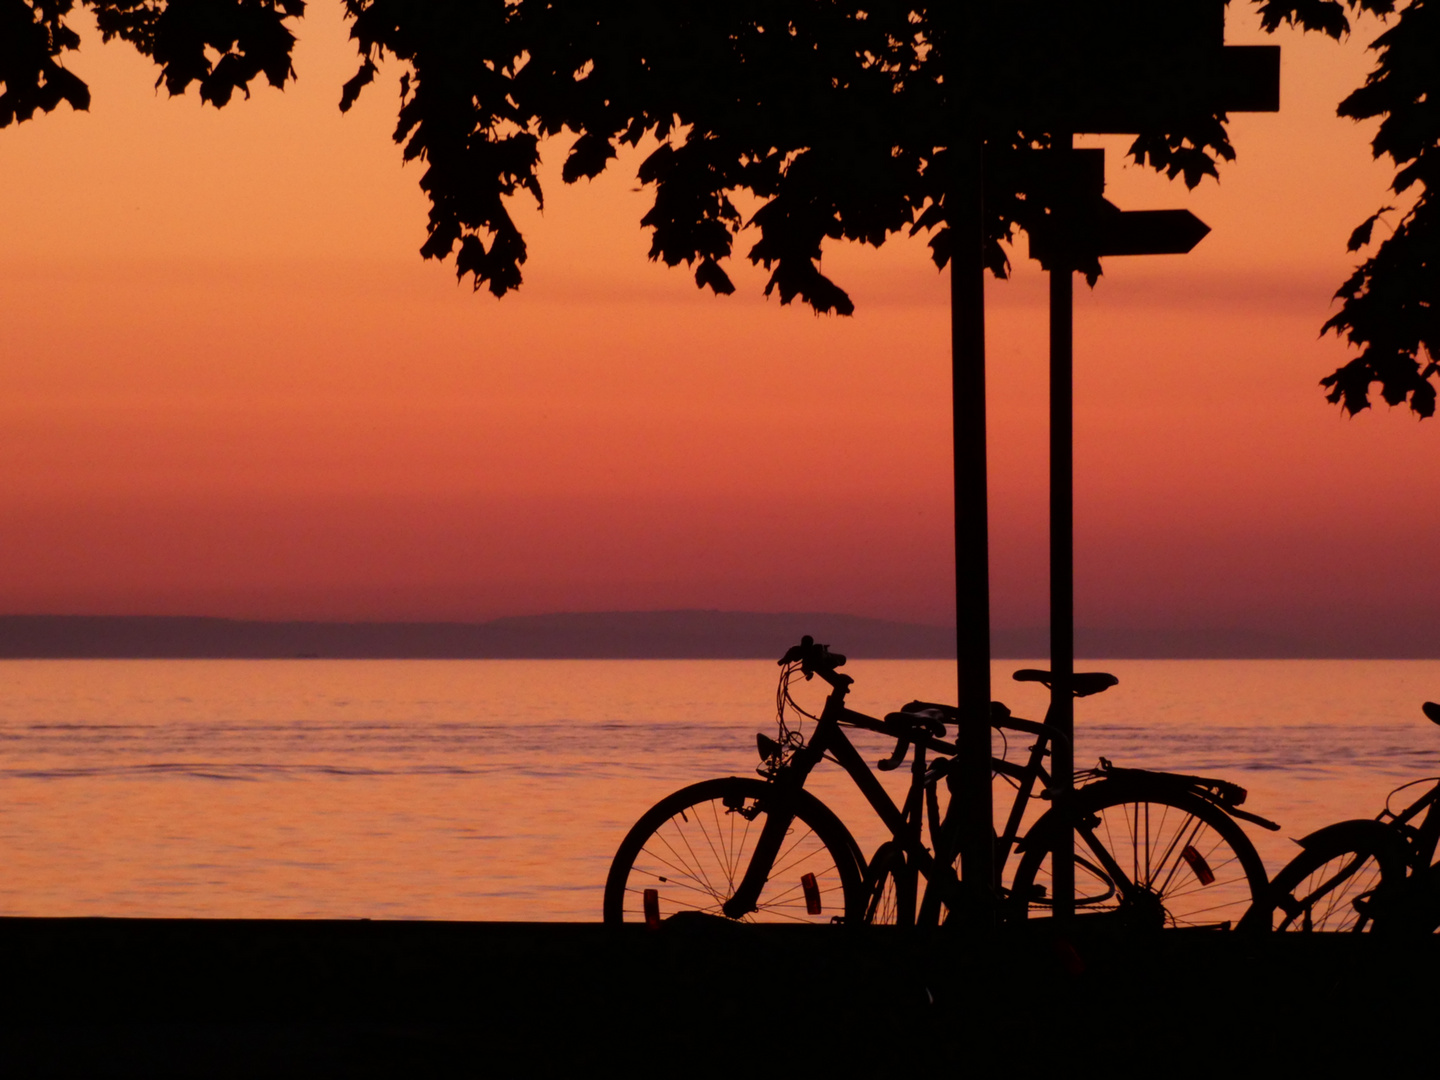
589 635
640 635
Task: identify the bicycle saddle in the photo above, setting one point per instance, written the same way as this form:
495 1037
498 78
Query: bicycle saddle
1083 683
929 717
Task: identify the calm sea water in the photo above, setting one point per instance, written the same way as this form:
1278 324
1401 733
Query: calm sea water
500 789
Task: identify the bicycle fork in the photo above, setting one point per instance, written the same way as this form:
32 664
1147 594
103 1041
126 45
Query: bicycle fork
777 825
779 814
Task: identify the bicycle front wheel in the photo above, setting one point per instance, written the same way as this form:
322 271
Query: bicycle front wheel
890 888
1147 854
690 852
1350 877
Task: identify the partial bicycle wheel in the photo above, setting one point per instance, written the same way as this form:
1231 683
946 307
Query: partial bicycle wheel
1148 854
1350 878
890 888
691 851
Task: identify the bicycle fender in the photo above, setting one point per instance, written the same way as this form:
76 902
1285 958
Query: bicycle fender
1223 794
1245 815
1138 783
1376 833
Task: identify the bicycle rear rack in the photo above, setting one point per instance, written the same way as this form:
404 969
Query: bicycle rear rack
1223 793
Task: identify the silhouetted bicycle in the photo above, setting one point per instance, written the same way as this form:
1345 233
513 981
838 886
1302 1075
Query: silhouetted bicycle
1363 875
1152 849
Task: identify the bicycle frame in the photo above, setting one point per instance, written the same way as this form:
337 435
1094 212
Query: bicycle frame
919 725
903 822
1420 841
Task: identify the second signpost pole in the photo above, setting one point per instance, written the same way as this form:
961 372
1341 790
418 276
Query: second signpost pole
1062 547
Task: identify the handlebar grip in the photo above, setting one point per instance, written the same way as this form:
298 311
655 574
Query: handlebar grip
897 756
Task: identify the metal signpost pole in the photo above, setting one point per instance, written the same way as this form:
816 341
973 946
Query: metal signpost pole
1062 541
968 825
972 799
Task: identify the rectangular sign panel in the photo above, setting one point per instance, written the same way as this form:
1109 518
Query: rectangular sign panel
1119 66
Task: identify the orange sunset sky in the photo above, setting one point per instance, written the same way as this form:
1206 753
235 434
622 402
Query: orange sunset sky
231 386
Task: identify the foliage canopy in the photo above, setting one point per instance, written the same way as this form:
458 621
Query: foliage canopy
838 118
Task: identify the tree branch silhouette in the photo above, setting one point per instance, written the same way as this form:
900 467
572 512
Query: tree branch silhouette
834 116
1390 305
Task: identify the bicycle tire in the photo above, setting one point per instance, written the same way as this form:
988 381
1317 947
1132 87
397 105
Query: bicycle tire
688 852
1335 884
890 888
1185 861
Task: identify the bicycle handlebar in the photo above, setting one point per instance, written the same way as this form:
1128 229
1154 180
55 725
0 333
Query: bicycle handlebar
816 659
999 718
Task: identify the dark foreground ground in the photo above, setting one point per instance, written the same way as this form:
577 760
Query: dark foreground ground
257 998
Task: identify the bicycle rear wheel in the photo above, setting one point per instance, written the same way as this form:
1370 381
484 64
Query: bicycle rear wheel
692 849
1147 854
1349 878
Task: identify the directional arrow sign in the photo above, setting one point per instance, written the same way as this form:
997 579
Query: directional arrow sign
1108 230
1150 232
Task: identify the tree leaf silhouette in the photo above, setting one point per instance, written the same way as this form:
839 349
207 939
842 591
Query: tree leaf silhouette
33 35
1390 305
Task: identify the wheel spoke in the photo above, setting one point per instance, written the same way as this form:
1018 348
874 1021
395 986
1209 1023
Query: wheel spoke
699 862
681 865
1177 844
668 897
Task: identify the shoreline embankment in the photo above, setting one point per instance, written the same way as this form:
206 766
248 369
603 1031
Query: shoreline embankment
201 997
